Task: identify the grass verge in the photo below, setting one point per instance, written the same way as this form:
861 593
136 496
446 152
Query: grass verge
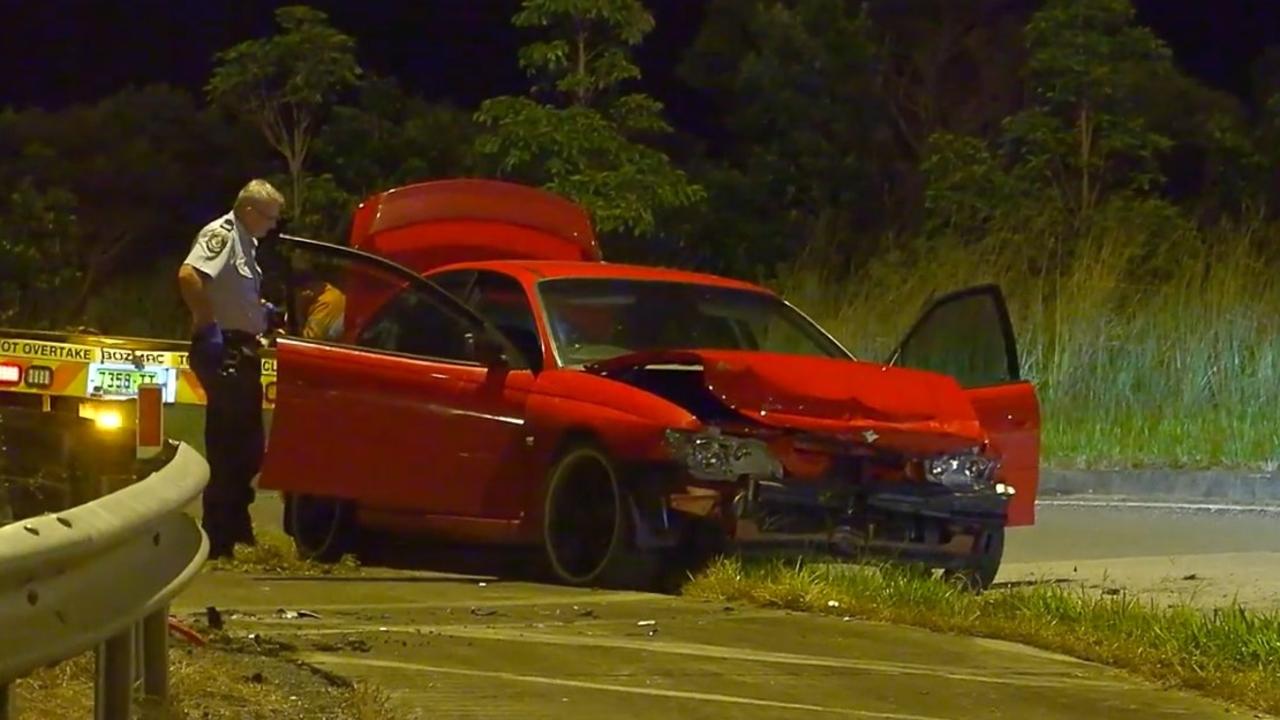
210 683
1229 653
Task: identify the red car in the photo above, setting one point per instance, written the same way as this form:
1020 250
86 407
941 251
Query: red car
481 375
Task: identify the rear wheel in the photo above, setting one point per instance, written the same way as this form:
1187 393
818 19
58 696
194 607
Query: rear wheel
588 534
323 528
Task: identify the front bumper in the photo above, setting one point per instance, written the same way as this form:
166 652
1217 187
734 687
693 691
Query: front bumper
911 522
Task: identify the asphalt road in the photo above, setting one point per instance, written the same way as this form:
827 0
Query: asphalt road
1201 553
472 646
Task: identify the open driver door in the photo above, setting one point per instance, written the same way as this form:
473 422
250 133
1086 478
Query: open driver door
968 335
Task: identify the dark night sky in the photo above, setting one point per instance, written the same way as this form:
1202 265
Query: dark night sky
57 51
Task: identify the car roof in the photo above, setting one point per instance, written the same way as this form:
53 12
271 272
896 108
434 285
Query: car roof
534 270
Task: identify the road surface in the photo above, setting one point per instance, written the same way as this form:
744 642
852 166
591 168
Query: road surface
476 646
1205 554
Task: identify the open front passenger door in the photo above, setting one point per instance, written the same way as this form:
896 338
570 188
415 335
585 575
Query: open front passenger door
968 335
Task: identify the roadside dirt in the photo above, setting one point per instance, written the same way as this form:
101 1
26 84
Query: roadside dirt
230 677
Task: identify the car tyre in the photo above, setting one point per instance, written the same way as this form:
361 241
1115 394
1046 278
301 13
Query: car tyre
323 528
588 531
983 562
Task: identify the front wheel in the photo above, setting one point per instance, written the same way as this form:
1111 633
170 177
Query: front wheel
323 528
588 533
983 562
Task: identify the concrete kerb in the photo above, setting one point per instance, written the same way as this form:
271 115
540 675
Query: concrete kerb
1235 486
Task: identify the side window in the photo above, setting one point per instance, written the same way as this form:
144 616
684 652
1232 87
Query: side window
965 335
414 324
502 300
457 283
337 295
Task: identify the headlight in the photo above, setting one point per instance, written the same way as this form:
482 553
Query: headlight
962 471
710 455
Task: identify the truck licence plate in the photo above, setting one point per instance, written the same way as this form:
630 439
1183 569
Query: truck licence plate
123 381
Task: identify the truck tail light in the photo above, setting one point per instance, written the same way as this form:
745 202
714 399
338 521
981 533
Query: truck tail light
10 373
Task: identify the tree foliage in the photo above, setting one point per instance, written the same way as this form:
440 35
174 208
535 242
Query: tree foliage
38 267
387 138
1085 131
140 196
796 82
588 139
1091 127
283 84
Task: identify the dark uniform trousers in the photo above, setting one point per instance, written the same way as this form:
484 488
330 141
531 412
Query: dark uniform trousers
233 436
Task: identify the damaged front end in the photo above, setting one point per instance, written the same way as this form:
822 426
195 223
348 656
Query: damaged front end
778 489
868 462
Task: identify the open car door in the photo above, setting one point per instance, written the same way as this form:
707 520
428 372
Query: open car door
968 335
368 378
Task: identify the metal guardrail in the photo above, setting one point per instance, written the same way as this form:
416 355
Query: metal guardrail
100 576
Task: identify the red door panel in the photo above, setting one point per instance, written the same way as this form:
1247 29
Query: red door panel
360 425
488 431
1011 416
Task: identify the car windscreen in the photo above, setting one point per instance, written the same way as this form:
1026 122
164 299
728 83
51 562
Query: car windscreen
592 319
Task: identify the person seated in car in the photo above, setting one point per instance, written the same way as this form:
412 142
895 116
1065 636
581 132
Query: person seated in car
322 307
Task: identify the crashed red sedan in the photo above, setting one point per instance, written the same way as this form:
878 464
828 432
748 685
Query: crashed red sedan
487 378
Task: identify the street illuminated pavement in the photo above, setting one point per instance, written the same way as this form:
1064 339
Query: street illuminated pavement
472 646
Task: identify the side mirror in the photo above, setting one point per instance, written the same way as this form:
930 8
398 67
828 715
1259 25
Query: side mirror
486 349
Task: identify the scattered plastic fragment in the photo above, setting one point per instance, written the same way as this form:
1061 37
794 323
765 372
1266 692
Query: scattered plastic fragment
295 614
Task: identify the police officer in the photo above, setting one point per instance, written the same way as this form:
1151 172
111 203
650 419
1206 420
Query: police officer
221 283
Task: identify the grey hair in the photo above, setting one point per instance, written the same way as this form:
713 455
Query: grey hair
259 190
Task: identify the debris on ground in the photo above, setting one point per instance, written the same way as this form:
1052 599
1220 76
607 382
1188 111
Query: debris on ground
295 614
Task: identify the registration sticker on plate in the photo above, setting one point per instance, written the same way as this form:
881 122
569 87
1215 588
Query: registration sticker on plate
109 380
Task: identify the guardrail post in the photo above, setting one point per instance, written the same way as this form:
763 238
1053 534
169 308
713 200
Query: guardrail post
113 691
155 654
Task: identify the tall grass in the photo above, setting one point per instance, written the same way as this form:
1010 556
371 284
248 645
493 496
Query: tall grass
1152 342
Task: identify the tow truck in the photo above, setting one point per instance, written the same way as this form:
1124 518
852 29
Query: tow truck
95 376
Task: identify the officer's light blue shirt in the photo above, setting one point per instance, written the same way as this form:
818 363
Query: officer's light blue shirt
227 253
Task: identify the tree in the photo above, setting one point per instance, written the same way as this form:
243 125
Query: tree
949 66
140 193
591 146
813 151
283 83
38 272
1086 131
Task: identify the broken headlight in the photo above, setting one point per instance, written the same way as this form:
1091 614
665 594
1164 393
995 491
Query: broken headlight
709 455
962 471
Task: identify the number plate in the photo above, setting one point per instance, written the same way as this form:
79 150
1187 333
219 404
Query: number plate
122 381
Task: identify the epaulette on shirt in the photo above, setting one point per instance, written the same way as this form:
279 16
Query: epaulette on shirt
216 238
